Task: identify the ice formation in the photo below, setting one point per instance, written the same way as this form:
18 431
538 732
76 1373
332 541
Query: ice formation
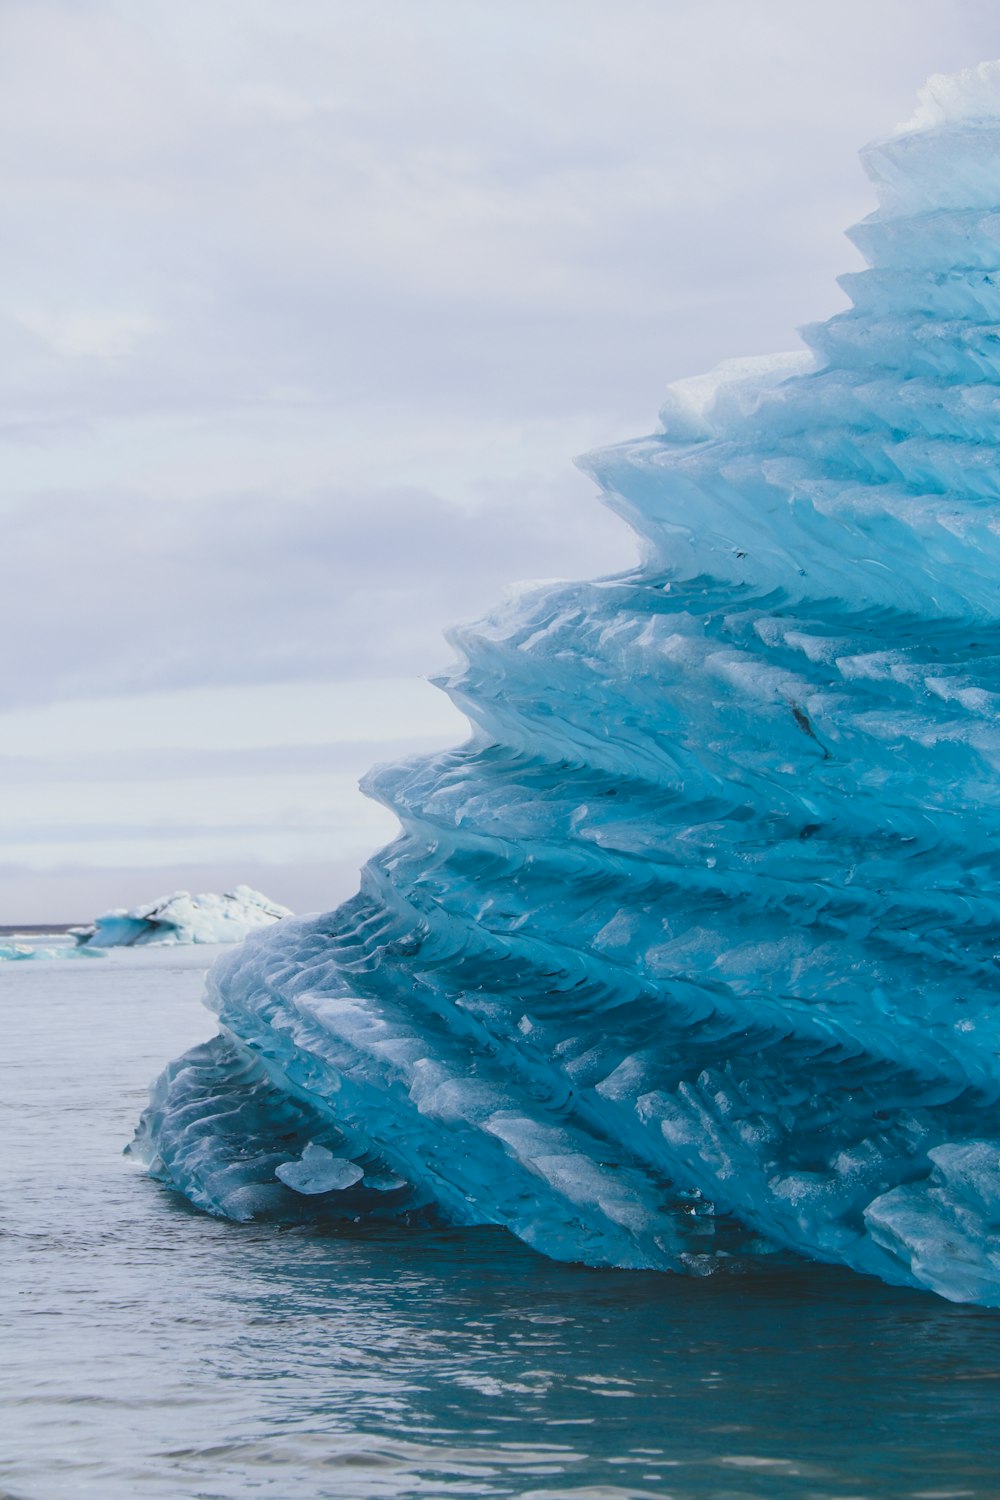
691 950
183 918
12 952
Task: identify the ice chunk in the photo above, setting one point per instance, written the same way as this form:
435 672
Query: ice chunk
691 951
388 1182
318 1171
11 952
183 918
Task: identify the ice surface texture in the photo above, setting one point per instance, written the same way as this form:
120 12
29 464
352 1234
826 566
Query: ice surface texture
692 949
183 918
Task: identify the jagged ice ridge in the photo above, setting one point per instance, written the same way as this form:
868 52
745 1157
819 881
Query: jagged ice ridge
691 951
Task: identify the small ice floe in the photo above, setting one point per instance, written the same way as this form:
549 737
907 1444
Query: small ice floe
318 1171
10 952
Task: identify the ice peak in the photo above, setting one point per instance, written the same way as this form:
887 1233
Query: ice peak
946 159
971 95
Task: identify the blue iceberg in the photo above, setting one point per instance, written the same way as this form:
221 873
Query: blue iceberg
689 954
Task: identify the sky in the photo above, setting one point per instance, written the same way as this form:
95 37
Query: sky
307 307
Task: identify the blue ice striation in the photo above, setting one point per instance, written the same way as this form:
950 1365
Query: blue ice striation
690 953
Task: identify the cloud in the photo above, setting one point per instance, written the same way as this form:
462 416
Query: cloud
255 589
518 210
306 308
77 892
83 333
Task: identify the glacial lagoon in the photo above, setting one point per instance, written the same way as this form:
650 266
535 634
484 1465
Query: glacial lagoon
153 1350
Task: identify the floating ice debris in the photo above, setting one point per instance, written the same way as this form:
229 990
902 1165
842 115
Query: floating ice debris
183 918
387 1182
11 952
691 951
318 1171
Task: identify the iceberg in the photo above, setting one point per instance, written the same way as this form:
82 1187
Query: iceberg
689 955
183 918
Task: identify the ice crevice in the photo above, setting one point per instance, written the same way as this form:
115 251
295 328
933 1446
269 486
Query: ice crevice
690 954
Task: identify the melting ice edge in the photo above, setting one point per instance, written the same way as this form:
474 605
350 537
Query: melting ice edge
691 951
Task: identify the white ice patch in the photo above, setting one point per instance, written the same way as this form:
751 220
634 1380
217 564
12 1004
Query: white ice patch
973 94
318 1171
183 918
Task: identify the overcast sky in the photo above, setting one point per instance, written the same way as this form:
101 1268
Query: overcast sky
307 306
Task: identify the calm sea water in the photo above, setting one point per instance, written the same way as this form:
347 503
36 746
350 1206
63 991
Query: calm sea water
150 1351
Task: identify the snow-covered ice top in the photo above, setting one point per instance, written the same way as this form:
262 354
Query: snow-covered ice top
692 952
183 918
956 98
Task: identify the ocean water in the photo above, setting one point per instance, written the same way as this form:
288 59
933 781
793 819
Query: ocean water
150 1351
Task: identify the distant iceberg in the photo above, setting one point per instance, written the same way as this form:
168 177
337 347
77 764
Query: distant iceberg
183 918
691 953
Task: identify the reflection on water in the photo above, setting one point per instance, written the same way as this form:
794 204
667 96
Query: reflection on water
152 1351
